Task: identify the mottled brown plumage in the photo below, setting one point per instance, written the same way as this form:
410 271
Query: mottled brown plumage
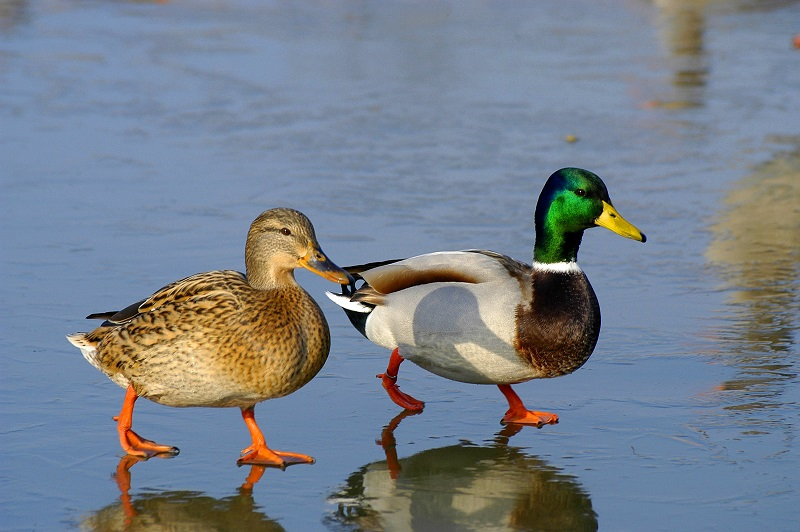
223 338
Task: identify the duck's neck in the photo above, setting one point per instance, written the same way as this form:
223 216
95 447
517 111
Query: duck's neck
553 247
262 277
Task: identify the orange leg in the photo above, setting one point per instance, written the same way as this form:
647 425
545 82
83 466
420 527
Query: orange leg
389 443
259 454
256 472
389 381
132 443
517 413
123 476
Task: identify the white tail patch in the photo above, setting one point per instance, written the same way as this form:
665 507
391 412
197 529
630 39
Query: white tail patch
88 349
557 267
344 302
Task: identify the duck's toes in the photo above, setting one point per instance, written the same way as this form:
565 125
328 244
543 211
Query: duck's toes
135 445
529 417
400 399
265 456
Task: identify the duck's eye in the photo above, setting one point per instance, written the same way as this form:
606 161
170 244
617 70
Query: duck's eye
285 231
580 192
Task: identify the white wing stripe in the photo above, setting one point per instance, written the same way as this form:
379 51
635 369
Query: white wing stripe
344 302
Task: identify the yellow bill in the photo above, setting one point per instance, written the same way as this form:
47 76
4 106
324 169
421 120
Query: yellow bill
612 220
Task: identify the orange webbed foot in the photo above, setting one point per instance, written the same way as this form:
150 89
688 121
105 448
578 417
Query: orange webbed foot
399 398
517 413
529 417
132 443
135 445
259 454
264 456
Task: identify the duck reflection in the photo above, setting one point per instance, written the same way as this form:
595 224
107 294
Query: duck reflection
756 248
462 487
13 13
180 510
682 25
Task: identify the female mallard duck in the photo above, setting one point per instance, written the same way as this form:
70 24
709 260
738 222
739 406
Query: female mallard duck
222 338
480 317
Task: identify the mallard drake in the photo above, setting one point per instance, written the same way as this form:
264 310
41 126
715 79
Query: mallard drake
222 338
480 317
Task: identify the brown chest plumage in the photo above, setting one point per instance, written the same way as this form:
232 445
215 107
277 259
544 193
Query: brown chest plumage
558 331
229 346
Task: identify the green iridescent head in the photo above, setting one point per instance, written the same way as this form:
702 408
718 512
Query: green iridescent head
572 201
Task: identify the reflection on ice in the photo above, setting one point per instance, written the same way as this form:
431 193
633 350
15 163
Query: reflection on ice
756 247
682 24
462 487
180 510
683 27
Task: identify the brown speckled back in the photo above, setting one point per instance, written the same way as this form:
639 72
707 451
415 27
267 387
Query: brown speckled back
222 343
222 338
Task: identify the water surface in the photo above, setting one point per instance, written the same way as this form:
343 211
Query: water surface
139 140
